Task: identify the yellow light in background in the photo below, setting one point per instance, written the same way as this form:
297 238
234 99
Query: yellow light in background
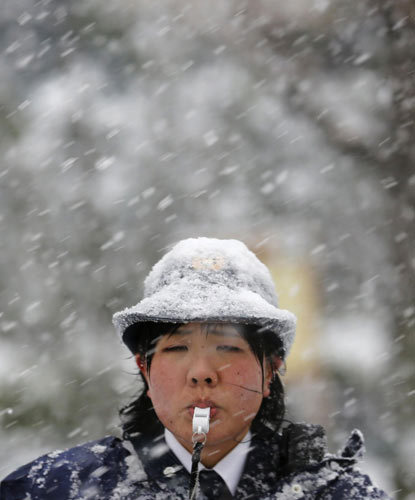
297 291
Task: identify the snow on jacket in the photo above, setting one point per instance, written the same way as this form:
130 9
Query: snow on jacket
290 466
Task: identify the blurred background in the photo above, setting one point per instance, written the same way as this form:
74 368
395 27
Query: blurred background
127 126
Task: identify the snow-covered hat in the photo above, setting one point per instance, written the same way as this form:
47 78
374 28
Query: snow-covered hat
207 279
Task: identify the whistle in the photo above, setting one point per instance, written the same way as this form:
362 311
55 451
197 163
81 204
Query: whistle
200 421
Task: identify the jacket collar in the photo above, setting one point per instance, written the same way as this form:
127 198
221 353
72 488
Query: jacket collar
260 472
295 463
159 462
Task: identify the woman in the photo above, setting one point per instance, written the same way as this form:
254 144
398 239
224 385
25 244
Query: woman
208 334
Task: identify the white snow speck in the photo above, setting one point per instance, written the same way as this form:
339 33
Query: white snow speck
318 249
210 138
24 18
98 449
229 170
165 203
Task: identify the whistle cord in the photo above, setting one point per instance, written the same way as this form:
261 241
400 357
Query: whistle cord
194 474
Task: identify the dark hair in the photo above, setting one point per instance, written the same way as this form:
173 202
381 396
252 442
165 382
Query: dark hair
139 416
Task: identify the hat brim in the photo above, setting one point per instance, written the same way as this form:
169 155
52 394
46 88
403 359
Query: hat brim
171 305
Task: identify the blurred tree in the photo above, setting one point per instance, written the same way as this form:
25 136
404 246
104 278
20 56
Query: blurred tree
128 128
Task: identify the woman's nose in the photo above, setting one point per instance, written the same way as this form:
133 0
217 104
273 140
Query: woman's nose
202 373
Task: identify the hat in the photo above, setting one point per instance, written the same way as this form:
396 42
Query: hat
209 280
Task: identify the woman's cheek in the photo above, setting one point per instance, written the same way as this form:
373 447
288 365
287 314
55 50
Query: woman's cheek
160 396
249 379
160 393
247 386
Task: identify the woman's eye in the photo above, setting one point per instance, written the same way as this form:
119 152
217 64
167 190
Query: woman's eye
175 348
229 348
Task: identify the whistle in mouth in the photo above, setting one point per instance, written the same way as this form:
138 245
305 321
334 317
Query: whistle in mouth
200 421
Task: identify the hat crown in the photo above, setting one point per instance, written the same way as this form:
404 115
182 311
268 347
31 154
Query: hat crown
202 262
208 280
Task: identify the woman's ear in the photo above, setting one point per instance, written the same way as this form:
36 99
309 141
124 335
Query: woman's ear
270 372
267 380
142 365
278 363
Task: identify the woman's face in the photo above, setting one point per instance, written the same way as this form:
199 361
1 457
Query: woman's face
206 366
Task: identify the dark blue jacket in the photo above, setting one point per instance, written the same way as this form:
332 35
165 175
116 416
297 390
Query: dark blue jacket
293 465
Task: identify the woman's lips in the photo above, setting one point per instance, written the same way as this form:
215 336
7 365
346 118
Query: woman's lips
213 410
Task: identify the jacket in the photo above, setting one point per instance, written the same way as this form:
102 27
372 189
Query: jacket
291 465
